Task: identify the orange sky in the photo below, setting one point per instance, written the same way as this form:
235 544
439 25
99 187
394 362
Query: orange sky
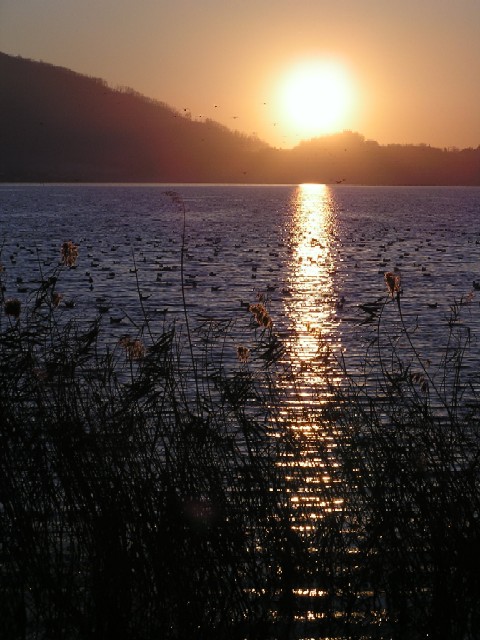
412 67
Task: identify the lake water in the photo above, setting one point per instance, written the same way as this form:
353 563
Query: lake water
316 253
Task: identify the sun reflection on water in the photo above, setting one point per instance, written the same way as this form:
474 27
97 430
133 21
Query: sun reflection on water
311 307
312 472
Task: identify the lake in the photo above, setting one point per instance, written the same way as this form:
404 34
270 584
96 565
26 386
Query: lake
315 256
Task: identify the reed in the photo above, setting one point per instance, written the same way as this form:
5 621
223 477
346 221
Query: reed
136 495
407 458
154 487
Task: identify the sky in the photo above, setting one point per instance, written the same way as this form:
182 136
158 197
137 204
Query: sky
404 72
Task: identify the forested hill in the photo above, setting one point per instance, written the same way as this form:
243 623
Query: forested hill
63 126
58 125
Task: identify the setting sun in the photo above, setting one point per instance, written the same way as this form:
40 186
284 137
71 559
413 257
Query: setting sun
316 97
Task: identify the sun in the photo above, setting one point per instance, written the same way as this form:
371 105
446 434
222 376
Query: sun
315 98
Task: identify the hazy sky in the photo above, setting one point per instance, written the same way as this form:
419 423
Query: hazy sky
405 71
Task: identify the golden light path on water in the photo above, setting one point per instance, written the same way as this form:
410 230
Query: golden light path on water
311 308
312 303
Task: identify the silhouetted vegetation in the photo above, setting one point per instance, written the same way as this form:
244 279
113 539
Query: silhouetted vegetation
58 125
155 487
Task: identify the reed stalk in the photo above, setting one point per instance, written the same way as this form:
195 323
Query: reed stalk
135 506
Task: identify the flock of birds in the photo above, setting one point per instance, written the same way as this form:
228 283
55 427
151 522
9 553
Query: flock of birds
187 112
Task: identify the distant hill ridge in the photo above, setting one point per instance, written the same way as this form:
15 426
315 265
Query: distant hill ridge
58 125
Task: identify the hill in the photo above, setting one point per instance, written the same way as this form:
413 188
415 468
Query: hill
58 125
63 126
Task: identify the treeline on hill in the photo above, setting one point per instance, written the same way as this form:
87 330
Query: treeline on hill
58 125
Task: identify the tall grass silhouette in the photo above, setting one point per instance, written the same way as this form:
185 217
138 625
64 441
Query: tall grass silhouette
149 486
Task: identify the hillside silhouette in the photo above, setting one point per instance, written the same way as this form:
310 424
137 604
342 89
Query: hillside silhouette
58 125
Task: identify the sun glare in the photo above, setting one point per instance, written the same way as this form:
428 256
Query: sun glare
315 98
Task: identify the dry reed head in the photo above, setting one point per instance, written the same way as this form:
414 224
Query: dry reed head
69 253
261 315
243 353
56 298
13 307
392 280
40 374
175 196
134 348
421 380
